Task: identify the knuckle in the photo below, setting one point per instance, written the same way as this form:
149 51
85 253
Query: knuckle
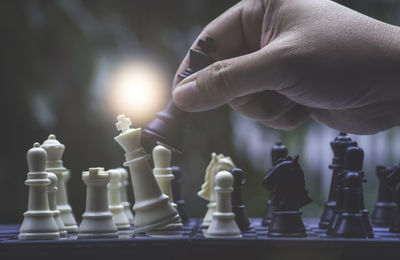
220 75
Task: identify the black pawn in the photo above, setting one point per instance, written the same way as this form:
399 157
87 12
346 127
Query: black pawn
393 180
169 126
176 185
385 206
332 208
352 222
237 200
278 151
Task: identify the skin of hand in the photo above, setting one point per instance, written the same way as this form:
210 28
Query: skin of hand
283 61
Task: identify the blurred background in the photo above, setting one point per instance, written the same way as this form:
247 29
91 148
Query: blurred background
69 67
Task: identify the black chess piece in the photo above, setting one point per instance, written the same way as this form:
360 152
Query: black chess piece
278 151
169 126
286 183
385 206
237 200
330 214
393 180
353 220
176 185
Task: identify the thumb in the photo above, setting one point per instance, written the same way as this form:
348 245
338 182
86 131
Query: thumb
225 80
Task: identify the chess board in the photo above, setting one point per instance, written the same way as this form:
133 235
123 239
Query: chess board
190 243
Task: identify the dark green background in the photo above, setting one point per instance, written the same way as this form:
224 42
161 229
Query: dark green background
49 56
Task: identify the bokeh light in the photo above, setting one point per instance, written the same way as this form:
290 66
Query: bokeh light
138 89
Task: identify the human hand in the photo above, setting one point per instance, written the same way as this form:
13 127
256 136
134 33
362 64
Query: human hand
282 61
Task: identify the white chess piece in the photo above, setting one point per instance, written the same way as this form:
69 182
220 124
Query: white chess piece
124 194
97 221
163 174
223 223
114 201
54 164
51 193
152 209
218 163
38 221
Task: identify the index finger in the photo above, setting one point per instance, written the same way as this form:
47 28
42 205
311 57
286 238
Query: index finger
228 32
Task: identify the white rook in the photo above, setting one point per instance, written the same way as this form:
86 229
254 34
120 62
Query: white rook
97 221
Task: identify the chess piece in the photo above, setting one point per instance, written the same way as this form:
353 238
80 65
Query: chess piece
176 184
152 209
223 223
163 174
331 210
97 221
218 163
352 222
237 200
286 183
120 219
51 193
124 194
38 221
168 128
54 164
278 152
385 206
393 180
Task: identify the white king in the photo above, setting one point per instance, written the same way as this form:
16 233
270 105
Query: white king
152 207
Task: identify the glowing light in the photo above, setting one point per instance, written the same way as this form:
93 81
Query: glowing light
138 89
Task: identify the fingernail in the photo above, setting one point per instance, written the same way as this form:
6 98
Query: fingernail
187 95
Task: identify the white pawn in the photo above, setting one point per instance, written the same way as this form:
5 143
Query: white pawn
97 221
218 163
152 209
114 201
223 223
51 193
38 221
164 176
54 164
124 195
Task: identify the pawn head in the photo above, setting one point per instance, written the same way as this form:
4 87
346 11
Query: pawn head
161 157
115 175
224 179
238 176
37 157
278 151
354 158
53 181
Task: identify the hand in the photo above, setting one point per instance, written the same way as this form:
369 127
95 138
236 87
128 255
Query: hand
282 61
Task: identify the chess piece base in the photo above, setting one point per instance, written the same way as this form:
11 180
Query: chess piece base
209 214
39 225
351 225
383 214
266 221
241 219
395 225
223 225
97 235
287 224
155 225
34 236
67 218
327 215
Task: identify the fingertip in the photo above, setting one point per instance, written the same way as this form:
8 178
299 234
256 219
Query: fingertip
186 95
